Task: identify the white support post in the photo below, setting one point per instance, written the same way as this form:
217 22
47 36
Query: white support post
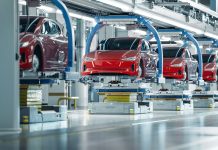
9 77
80 89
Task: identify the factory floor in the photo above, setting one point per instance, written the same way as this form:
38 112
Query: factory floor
160 130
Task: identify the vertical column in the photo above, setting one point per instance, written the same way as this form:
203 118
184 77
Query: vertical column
80 42
23 8
80 89
9 77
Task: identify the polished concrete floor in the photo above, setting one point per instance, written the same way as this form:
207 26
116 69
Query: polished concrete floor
160 130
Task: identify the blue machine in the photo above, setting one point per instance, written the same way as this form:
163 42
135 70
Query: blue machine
103 21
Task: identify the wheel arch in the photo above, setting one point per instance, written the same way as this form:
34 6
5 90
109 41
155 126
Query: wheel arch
38 50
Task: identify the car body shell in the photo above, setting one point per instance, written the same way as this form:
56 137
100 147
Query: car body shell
209 68
183 67
112 62
52 48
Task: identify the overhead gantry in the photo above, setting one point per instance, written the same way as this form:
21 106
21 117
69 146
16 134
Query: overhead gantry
189 37
129 19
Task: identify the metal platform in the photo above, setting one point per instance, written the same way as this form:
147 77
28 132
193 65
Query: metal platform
175 101
49 78
205 99
120 108
31 114
204 103
172 105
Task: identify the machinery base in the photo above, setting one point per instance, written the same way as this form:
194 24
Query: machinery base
120 107
30 114
204 103
172 105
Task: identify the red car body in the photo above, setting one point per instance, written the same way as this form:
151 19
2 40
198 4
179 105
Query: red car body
121 56
179 64
209 67
43 47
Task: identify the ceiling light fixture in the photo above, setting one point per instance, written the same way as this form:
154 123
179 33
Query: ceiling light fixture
124 7
169 21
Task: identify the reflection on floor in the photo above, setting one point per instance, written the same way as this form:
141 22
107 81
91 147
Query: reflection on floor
161 130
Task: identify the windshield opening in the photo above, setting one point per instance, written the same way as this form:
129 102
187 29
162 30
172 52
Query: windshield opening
207 58
119 44
171 52
32 24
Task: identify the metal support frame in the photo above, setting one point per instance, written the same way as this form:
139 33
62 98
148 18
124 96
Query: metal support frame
68 22
102 21
69 75
189 36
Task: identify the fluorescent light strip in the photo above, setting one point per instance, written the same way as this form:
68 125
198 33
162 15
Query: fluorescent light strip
47 9
128 8
22 2
211 35
170 21
121 5
53 10
141 32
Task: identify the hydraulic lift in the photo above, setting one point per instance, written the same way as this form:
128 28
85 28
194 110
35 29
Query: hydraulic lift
173 95
122 97
176 95
32 110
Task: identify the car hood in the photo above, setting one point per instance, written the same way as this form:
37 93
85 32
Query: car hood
208 65
26 37
112 54
171 61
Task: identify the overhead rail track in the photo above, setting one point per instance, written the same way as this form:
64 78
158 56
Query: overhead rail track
207 25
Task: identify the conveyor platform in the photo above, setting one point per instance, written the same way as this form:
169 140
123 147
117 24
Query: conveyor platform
170 100
121 99
205 99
